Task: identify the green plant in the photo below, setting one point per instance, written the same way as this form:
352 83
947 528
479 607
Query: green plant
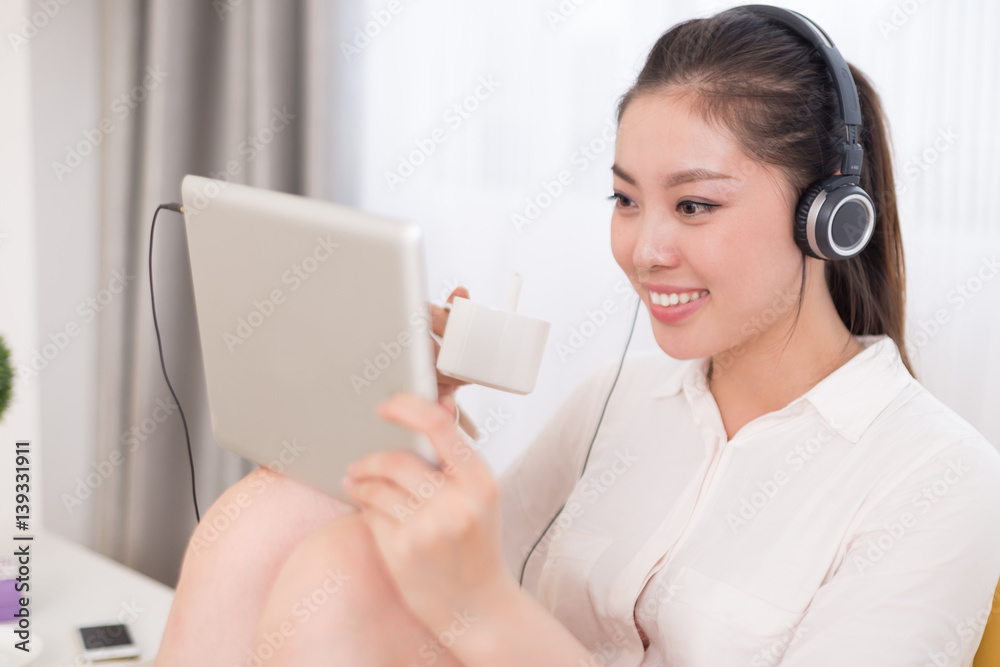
6 376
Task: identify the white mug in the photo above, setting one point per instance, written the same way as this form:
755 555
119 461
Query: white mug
495 348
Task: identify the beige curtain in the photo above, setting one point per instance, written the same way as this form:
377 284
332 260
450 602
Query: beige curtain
234 87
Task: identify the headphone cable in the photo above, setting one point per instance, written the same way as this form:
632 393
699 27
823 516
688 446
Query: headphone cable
635 316
159 344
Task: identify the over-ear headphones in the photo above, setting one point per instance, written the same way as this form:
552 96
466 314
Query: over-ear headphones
835 217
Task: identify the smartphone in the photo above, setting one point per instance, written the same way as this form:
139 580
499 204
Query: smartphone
108 642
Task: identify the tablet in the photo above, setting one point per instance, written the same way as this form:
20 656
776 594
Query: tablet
310 314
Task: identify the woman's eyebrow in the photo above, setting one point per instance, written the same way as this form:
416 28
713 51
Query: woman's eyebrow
677 178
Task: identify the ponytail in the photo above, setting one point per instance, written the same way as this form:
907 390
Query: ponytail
869 290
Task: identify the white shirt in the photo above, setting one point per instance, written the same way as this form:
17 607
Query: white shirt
859 525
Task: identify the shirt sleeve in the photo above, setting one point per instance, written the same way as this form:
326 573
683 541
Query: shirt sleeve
916 584
540 479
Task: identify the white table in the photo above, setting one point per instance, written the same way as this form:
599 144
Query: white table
72 585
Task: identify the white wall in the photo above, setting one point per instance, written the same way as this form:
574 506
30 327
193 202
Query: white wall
64 96
561 66
18 302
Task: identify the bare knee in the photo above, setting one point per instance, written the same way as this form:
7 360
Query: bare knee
232 560
334 602
335 565
262 511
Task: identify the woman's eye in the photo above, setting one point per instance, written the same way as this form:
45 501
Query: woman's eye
690 208
621 201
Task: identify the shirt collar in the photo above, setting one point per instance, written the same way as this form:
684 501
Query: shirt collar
848 399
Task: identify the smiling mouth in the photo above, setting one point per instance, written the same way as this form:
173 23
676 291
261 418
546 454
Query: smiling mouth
676 298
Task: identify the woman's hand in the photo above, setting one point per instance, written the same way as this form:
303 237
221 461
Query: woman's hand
438 530
446 385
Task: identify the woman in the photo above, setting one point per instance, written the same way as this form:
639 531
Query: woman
790 495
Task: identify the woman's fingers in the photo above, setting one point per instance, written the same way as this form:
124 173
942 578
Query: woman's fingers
439 316
458 459
446 397
378 494
439 321
406 470
438 530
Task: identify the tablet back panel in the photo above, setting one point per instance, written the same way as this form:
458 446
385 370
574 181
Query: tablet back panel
310 314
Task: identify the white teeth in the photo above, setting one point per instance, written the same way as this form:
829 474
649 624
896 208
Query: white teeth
675 298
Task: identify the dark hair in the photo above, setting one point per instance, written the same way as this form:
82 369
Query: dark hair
772 91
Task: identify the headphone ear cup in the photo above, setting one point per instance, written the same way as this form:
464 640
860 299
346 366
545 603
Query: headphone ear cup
853 221
835 219
802 218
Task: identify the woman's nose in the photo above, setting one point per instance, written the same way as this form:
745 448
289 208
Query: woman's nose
655 244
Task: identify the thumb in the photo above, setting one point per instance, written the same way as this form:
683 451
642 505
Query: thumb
447 401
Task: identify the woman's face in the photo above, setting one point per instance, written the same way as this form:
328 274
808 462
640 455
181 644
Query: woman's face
694 215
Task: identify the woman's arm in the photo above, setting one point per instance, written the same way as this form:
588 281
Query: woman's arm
517 630
916 582
438 531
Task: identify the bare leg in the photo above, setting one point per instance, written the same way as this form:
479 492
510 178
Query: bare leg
231 563
334 603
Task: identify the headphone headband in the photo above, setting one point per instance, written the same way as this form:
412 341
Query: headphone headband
843 82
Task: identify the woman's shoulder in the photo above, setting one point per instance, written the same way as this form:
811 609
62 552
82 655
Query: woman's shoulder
924 432
916 410
897 409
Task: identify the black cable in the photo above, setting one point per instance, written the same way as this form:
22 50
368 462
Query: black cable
635 316
159 344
